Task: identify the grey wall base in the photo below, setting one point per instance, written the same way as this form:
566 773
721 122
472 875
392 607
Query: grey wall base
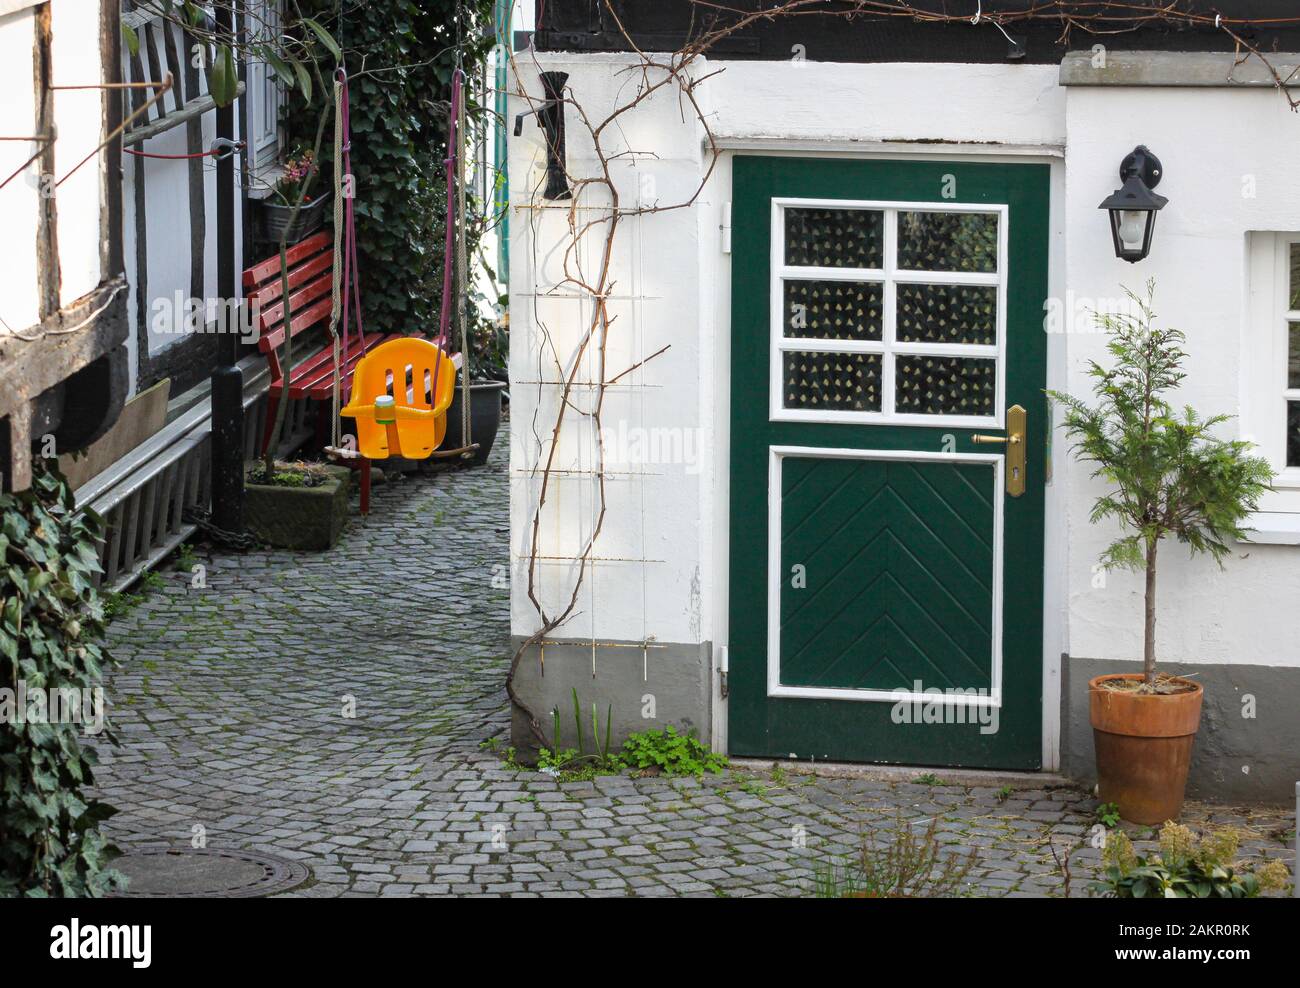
674 680
1236 758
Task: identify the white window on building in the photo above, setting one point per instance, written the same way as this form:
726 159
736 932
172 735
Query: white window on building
1271 392
266 97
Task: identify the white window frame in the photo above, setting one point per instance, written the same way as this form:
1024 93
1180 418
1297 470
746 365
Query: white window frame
889 277
266 97
1264 386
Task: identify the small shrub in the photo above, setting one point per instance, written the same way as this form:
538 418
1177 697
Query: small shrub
671 753
289 475
1184 868
1168 473
899 863
1108 815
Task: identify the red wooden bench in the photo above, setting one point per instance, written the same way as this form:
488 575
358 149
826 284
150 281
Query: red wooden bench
311 266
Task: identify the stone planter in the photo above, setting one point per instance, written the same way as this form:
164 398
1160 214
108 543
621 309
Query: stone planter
299 517
484 419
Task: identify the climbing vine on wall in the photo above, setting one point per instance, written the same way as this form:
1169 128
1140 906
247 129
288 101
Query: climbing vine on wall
51 621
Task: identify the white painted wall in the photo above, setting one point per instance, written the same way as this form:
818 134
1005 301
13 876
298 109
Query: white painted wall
655 515
1211 141
168 232
19 200
78 119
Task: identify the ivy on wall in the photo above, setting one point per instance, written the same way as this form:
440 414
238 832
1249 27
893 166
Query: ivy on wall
51 663
400 57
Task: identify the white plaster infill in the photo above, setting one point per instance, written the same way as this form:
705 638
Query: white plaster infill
1202 69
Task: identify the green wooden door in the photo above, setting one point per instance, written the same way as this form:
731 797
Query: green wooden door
886 569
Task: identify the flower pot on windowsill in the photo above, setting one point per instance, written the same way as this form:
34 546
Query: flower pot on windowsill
299 517
275 218
1144 744
484 419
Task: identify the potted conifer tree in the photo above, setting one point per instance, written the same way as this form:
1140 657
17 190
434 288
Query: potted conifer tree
1168 475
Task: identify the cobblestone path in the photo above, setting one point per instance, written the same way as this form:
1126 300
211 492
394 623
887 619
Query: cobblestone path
232 705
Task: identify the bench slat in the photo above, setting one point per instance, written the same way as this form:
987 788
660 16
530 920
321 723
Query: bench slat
299 252
271 318
272 290
316 374
303 320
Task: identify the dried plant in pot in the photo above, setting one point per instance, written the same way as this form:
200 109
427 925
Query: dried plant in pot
1168 475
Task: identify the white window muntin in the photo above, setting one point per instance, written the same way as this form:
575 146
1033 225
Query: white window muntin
889 277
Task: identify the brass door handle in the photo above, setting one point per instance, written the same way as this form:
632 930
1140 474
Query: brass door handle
1015 443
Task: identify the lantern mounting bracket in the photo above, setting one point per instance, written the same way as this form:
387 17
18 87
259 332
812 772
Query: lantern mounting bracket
1140 162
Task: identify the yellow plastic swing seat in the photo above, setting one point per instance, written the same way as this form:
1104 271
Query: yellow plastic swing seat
391 386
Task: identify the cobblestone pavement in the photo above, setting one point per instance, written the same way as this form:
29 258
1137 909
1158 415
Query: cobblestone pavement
231 705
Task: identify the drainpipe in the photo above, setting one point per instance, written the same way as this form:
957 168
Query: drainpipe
501 205
227 379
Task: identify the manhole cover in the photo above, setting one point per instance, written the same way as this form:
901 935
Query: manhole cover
211 872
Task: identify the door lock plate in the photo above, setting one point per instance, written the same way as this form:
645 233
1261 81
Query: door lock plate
1015 442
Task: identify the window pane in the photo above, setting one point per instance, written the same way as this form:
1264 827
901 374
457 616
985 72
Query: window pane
833 310
1295 276
1293 356
831 382
834 238
1293 433
947 313
965 242
945 385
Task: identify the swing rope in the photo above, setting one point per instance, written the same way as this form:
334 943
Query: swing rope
336 433
346 289
346 293
462 279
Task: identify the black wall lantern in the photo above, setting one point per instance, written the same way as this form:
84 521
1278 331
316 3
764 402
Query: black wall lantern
550 115
1133 206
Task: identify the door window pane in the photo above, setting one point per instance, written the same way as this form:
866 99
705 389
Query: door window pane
846 382
833 310
834 238
947 313
966 242
945 385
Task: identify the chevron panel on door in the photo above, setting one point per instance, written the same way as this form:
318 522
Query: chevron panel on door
887 573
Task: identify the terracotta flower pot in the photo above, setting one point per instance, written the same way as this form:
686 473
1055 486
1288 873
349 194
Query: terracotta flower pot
1144 747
